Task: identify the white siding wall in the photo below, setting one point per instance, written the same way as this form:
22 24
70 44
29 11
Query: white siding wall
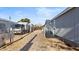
68 25
7 34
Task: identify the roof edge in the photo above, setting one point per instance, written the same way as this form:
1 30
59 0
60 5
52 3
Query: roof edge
63 12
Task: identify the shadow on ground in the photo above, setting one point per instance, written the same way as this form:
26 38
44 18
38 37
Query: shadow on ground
28 45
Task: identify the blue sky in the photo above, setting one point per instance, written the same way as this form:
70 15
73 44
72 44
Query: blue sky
38 15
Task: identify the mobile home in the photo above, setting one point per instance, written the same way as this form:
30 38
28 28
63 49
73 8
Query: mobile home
18 29
26 26
47 29
22 27
6 32
67 24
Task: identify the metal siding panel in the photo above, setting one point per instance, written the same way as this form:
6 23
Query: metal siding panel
67 25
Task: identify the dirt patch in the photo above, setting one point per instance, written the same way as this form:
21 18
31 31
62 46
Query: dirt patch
49 44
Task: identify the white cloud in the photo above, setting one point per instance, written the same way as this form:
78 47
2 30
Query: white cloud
44 12
20 14
4 16
16 15
48 12
41 14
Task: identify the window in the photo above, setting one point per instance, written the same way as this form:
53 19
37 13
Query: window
18 26
2 27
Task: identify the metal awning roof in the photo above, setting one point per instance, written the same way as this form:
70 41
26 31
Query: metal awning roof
5 20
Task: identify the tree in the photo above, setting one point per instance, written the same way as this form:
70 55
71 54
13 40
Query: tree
25 20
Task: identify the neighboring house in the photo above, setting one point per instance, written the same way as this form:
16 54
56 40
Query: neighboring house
23 27
6 32
67 24
49 28
31 27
